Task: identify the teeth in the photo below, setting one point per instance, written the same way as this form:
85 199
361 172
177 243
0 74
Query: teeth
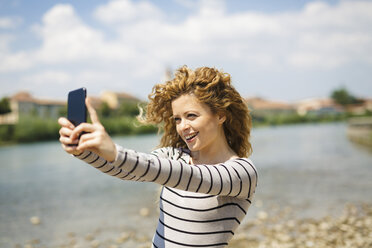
190 136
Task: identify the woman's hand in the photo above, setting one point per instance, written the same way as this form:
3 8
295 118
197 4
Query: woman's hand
65 131
94 137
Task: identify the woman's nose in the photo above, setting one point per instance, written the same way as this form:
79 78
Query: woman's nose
184 125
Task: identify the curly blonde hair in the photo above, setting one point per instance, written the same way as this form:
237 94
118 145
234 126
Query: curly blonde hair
211 87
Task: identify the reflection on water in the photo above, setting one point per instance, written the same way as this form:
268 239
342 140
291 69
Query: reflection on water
313 168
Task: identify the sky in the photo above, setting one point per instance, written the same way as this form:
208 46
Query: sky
284 50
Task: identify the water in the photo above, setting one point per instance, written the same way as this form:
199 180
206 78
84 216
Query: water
312 168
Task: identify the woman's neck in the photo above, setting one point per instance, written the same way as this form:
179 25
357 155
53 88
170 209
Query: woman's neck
218 153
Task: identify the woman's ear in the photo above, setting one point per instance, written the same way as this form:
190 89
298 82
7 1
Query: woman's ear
221 118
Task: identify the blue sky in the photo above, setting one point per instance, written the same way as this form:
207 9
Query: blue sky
281 50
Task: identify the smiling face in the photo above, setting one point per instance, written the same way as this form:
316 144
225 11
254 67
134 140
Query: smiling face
201 129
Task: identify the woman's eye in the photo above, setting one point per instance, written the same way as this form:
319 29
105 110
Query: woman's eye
191 115
177 120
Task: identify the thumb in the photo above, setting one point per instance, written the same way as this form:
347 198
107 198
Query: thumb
92 112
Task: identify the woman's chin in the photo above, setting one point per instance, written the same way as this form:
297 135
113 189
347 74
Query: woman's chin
192 148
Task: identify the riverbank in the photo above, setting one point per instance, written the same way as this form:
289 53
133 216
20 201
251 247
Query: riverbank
360 130
35 130
31 129
273 228
294 118
278 228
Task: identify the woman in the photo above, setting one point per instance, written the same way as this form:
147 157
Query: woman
208 181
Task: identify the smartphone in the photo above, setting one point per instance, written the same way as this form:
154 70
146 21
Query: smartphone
76 109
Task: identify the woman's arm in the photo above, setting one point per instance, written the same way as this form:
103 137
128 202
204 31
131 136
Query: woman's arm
233 178
237 178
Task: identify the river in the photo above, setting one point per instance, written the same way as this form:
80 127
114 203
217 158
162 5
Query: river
312 168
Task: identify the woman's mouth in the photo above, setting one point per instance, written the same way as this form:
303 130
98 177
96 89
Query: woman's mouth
190 137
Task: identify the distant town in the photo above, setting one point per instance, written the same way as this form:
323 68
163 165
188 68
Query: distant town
24 104
25 118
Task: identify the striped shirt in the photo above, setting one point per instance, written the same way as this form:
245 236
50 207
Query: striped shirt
200 205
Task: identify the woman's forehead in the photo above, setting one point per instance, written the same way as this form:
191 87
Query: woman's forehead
188 103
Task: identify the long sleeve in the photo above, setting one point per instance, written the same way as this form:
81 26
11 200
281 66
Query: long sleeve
200 205
237 177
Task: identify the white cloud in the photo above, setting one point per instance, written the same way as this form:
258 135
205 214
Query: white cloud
186 3
9 61
317 36
45 78
5 40
14 62
10 22
211 8
137 41
65 38
333 36
122 11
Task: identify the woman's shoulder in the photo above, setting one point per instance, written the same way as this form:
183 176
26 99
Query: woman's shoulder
242 160
171 152
246 163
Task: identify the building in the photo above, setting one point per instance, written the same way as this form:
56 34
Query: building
360 108
318 106
115 99
260 106
96 102
24 104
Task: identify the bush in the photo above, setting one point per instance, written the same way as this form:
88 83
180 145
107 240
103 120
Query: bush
6 133
126 125
5 105
30 129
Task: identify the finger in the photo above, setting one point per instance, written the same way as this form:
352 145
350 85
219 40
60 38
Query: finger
92 111
67 141
64 122
87 136
83 127
64 131
90 143
71 149
65 136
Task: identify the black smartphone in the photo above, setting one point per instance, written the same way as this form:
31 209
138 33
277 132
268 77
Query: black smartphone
76 109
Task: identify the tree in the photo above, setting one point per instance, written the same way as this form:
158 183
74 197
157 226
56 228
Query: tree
5 105
343 97
105 110
128 109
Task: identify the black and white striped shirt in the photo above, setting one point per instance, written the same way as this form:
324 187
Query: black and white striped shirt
200 205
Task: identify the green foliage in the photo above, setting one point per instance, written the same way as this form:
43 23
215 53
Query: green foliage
105 110
343 97
30 129
294 118
5 105
126 125
63 111
126 109
121 121
6 133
